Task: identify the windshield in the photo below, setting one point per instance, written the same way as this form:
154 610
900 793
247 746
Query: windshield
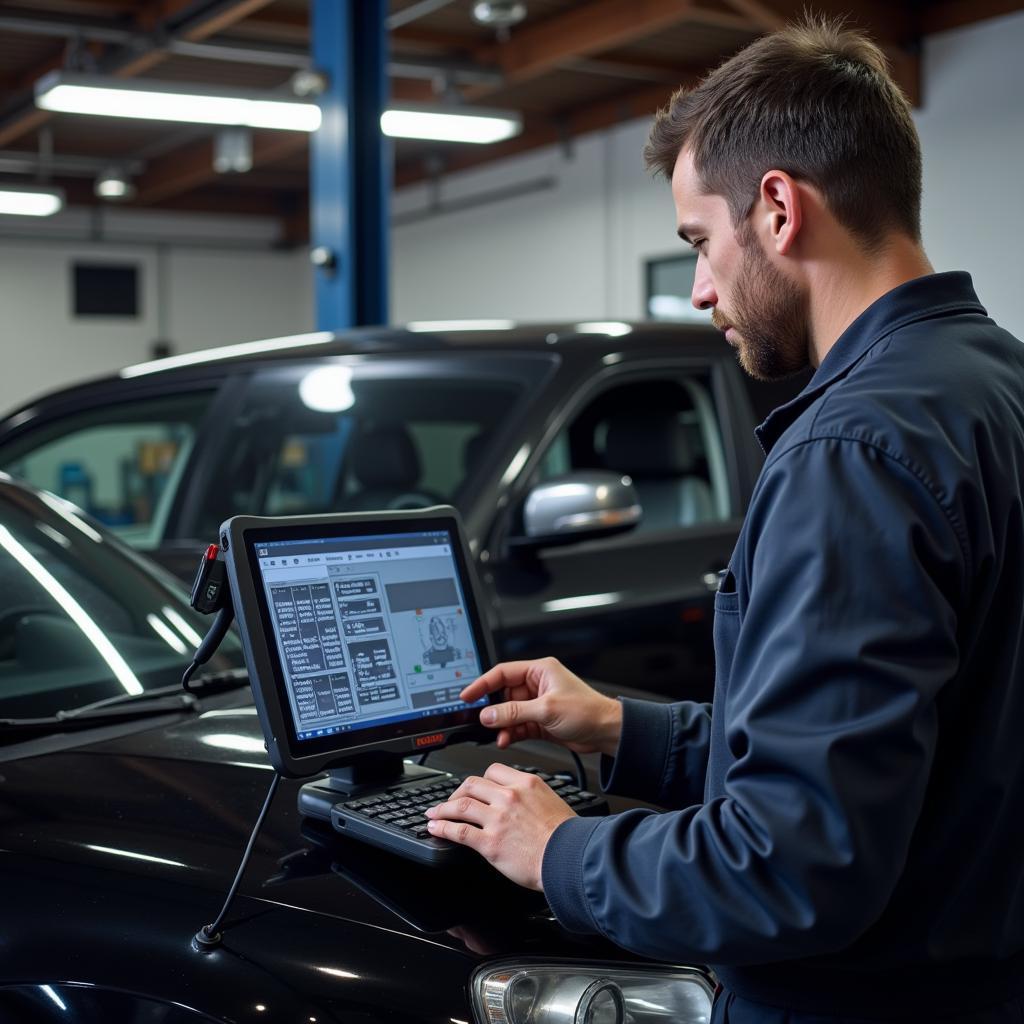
81 617
341 436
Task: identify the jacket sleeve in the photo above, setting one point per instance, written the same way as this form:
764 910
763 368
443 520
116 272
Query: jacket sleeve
848 634
663 753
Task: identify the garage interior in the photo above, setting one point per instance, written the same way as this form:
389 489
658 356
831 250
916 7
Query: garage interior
245 271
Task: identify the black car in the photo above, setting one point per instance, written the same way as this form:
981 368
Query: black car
528 431
125 805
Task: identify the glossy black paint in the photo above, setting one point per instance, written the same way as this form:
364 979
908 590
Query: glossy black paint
114 852
656 634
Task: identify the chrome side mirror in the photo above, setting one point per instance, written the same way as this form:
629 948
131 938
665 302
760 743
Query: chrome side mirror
579 505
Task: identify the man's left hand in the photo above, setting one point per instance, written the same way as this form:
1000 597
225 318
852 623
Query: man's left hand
507 816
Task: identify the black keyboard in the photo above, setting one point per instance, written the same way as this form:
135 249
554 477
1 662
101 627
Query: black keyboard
394 818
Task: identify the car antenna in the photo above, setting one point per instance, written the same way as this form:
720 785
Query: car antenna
211 594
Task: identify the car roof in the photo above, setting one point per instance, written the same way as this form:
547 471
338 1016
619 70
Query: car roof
590 340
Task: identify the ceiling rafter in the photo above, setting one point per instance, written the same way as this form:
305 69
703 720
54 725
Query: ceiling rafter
192 166
126 62
580 32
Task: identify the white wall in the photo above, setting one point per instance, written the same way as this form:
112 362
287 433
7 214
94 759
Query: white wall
577 250
571 247
192 294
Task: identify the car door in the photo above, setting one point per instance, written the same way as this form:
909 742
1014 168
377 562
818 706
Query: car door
635 609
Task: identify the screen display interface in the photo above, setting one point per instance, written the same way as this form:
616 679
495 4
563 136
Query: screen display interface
370 631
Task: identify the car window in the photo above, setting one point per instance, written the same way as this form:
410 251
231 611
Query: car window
122 464
664 434
81 619
377 438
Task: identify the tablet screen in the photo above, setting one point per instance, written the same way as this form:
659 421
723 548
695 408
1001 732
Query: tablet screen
370 630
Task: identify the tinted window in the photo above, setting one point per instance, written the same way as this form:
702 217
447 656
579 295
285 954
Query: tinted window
359 438
664 434
121 463
80 619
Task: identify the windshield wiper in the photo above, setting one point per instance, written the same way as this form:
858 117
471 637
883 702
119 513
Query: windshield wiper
211 682
124 707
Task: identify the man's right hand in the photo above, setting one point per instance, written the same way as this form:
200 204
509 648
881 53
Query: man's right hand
545 701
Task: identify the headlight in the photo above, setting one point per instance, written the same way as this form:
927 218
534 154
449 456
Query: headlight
546 993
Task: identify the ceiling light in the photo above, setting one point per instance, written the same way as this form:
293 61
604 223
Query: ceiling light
114 184
499 13
470 124
30 202
76 93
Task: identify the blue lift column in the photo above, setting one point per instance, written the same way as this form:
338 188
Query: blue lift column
350 164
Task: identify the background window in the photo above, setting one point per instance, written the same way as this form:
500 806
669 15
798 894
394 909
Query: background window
669 284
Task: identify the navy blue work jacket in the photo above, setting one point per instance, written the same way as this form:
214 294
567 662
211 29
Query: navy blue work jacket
847 832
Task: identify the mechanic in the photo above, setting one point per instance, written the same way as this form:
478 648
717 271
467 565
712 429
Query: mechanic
845 829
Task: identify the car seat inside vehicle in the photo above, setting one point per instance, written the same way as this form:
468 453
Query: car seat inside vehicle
653 447
386 467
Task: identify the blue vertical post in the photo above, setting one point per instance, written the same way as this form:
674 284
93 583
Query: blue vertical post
350 163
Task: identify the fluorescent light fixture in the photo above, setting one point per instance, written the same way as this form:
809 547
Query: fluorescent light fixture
431 326
74 610
70 92
450 124
30 202
113 184
246 348
613 328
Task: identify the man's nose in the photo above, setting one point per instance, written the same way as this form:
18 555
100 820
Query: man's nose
704 295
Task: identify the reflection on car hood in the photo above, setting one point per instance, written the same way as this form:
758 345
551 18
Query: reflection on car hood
176 805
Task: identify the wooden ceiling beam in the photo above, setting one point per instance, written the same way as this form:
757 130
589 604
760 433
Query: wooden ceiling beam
941 17
583 31
192 166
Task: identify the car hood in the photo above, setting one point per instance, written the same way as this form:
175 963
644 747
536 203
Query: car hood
174 805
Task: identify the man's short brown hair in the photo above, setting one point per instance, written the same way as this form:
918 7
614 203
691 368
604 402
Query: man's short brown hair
815 100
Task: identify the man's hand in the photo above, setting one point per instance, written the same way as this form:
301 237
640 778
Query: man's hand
507 816
545 701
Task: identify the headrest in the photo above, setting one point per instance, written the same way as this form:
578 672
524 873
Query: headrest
648 444
385 456
473 449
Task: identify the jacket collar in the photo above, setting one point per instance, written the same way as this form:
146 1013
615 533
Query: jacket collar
920 299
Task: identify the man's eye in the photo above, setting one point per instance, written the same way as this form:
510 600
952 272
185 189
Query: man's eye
698 244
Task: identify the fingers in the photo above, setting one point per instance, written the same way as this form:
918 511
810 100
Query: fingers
505 775
501 677
514 713
457 831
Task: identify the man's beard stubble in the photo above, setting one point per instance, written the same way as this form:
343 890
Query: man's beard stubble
769 314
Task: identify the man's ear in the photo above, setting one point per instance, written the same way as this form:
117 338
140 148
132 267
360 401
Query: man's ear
782 203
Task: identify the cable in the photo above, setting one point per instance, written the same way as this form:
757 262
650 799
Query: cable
215 634
581 772
209 936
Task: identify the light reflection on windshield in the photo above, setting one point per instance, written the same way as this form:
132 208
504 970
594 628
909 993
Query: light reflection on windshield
85 621
74 610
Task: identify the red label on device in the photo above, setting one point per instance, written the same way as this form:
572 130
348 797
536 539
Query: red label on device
429 741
